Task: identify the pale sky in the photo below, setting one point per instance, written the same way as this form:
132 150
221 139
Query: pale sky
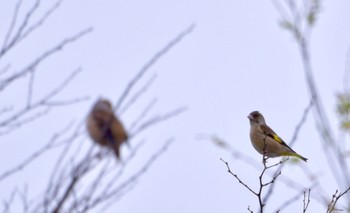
238 59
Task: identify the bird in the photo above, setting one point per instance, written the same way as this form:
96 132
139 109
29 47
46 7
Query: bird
266 141
104 127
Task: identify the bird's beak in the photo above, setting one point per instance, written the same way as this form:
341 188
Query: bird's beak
250 117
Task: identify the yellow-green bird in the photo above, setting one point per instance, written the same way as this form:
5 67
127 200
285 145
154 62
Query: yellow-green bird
266 141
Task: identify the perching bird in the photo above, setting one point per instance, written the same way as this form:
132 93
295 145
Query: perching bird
105 128
266 141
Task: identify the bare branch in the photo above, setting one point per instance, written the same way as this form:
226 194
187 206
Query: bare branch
335 198
301 123
24 24
66 102
66 194
279 7
306 200
24 198
262 202
150 63
293 199
60 87
5 110
7 204
300 25
42 102
12 25
236 176
143 114
9 127
17 124
252 162
5 69
122 168
6 82
234 152
138 94
118 192
41 21
30 88
56 178
157 119
258 194
51 144
23 30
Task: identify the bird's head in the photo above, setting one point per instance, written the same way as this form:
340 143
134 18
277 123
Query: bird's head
256 117
102 105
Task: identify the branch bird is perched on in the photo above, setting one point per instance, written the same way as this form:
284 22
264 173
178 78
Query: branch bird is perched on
266 141
104 127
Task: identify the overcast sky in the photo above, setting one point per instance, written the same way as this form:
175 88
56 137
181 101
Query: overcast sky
236 60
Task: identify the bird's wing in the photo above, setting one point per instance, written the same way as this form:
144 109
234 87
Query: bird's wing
270 133
112 142
103 122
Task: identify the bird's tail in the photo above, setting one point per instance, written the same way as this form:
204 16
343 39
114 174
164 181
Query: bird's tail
127 141
300 157
294 154
113 144
116 151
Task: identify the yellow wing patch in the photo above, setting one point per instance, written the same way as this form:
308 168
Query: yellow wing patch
277 138
269 132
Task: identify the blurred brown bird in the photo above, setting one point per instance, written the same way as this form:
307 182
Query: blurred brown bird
105 128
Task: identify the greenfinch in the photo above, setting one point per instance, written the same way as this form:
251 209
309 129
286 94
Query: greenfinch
104 127
266 141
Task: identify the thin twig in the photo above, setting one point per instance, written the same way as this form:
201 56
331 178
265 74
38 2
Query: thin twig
150 63
293 199
306 200
12 25
42 102
30 88
136 176
24 24
7 204
24 31
262 184
301 123
66 102
17 124
143 114
335 198
51 144
236 176
41 21
138 94
157 119
5 69
24 198
42 57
